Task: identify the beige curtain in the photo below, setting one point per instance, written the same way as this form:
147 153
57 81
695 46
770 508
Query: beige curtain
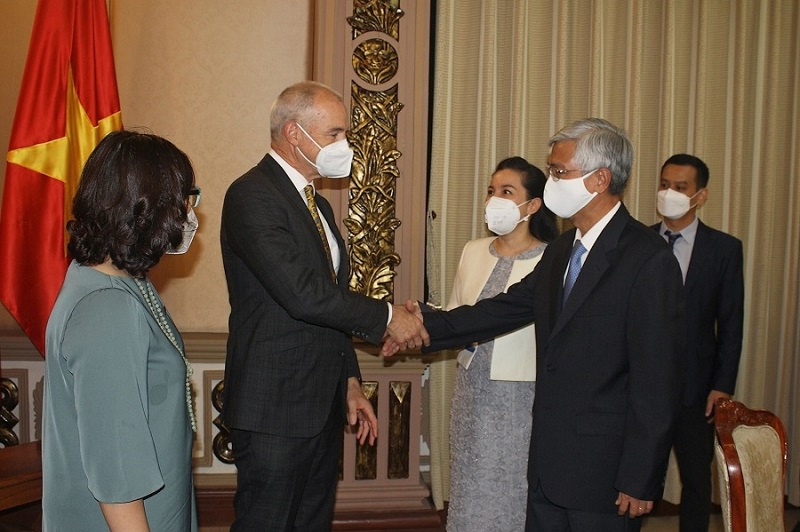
716 78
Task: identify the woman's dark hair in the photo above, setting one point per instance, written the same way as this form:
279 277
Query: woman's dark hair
131 202
542 224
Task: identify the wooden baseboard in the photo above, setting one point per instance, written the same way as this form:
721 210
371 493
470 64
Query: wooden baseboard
215 509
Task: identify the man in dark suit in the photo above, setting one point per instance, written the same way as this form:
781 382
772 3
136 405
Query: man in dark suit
607 304
291 375
711 264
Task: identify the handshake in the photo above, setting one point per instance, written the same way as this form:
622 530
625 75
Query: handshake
405 330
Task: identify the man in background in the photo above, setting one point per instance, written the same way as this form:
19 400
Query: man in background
711 264
291 374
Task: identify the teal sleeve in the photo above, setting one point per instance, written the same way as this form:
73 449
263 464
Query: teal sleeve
106 344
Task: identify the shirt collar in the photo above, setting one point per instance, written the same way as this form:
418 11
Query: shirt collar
688 233
298 180
593 234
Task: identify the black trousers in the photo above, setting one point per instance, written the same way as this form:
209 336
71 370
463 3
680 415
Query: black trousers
694 449
544 516
287 484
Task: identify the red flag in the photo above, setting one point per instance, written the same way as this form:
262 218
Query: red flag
67 103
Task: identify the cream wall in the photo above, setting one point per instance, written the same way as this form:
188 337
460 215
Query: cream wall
203 74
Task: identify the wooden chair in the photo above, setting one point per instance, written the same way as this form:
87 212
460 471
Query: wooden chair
751 453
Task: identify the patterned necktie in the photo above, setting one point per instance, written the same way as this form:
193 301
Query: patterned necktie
574 269
312 207
671 238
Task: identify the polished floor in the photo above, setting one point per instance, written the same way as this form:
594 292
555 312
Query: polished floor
662 523
669 523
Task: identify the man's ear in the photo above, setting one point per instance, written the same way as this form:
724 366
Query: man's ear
601 179
701 197
291 132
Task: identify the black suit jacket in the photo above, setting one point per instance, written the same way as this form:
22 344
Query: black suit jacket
714 314
608 363
290 348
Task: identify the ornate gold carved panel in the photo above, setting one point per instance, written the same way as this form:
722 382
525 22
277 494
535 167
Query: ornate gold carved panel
371 222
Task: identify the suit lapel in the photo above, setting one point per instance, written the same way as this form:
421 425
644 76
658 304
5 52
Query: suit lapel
292 197
701 252
599 260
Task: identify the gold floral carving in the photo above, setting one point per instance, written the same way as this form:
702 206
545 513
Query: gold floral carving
376 15
371 221
375 61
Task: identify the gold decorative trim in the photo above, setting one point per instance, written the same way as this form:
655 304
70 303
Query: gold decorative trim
376 15
222 441
366 467
371 223
375 61
9 399
399 429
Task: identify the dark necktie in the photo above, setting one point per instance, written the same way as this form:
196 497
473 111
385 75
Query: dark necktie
574 269
671 237
312 207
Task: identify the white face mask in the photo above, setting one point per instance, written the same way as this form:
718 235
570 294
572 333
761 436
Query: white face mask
502 215
189 229
334 160
673 205
565 197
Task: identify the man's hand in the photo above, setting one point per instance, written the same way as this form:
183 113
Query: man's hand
405 331
413 307
711 401
359 411
632 506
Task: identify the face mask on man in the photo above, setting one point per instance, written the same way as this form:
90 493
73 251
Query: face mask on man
189 230
334 160
673 204
565 197
502 215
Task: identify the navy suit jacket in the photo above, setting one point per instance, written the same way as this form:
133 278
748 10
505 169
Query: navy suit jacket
608 363
714 314
290 348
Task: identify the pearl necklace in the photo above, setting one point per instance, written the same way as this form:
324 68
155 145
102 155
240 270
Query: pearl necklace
161 319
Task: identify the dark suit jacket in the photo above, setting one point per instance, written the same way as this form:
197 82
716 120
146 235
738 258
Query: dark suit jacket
608 363
290 327
714 314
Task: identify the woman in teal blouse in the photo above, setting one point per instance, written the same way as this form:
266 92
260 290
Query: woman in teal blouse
118 418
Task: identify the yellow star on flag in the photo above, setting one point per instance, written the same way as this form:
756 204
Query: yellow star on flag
63 158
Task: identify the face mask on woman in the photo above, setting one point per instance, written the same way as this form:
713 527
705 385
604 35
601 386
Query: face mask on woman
334 160
189 230
502 215
673 204
565 197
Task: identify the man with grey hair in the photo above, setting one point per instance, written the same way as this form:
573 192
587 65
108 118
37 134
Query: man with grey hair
291 376
606 300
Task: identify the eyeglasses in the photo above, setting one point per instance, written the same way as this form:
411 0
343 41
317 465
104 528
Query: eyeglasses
558 173
193 197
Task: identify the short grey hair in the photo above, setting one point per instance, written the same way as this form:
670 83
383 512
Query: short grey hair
600 144
296 102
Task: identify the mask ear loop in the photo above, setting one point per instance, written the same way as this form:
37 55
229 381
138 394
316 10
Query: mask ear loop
309 136
303 155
